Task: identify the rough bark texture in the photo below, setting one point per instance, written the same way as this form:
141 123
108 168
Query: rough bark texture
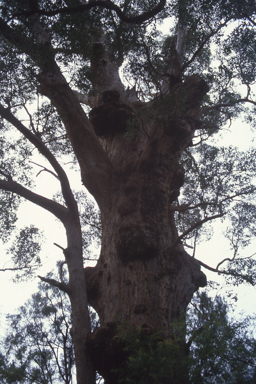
142 277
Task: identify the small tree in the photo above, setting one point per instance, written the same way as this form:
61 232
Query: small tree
39 346
223 350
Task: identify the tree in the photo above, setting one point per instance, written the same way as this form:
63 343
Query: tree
135 148
222 349
38 347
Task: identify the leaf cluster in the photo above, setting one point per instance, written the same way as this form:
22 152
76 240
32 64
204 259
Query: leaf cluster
25 252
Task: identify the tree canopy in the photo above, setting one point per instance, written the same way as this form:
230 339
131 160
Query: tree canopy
38 347
133 95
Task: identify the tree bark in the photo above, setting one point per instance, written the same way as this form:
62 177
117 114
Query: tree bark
78 298
143 276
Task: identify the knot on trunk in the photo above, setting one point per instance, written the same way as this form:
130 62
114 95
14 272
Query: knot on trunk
137 241
196 88
183 105
111 116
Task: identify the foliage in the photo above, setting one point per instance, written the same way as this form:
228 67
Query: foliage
223 350
220 349
25 252
38 347
151 358
219 180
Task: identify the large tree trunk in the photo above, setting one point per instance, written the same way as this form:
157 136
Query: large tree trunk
143 276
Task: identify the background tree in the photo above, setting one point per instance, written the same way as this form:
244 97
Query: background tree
38 347
222 349
134 148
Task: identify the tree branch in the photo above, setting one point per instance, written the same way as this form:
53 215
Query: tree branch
139 19
56 209
233 273
62 286
96 168
44 169
196 225
251 20
201 46
224 105
36 141
18 268
187 206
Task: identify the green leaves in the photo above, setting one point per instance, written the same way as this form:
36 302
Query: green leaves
151 358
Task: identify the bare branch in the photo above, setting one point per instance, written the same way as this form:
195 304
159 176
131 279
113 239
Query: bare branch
62 286
196 225
37 142
233 273
59 246
56 209
44 169
8 177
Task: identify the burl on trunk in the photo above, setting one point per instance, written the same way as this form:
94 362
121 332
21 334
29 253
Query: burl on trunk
143 276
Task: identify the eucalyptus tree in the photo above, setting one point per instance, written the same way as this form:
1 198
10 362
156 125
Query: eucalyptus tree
222 349
137 139
38 346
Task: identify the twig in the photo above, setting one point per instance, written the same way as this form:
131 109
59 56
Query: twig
59 246
44 169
